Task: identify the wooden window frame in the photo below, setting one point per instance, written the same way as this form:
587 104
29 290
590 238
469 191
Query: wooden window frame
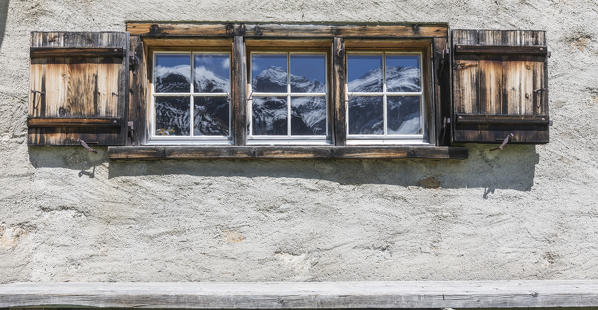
246 37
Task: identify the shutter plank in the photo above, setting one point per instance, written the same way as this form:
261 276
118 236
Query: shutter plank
466 97
491 75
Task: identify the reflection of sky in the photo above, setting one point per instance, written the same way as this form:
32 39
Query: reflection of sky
312 67
359 65
262 62
403 61
218 64
173 60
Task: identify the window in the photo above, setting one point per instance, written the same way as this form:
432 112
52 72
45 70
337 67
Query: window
288 101
385 98
191 97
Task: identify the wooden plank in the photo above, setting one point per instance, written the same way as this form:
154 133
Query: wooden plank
501 50
339 91
239 91
442 90
506 38
286 152
305 295
73 122
36 52
490 87
188 42
137 109
250 30
465 92
502 119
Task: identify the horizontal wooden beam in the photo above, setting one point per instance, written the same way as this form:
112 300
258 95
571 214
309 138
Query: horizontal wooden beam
285 152
304 295
80 52
502 119
502 50
256 30
73 122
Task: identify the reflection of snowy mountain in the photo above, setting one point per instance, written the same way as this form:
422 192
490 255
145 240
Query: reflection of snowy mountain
176 79
366 112
274 79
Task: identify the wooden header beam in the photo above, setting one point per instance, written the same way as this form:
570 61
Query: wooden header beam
254 30
304 295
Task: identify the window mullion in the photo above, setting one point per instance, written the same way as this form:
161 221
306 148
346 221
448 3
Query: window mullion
289 95
384 97
192 90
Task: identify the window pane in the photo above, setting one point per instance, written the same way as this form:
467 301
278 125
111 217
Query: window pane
308 116
211 73
269 116
308 73
172 116
269 73
403 115
173 73
366 115
364 73
402 73
210 116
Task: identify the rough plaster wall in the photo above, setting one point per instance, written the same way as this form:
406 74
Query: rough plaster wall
524 213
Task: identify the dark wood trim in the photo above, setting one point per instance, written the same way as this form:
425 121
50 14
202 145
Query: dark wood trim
501 50
502 119
79 52
286 152
339 93
73 122
239 91
138 103
271 30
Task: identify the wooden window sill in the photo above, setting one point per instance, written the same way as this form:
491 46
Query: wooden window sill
284 152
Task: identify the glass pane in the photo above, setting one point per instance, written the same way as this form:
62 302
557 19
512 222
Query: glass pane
212 73
402 73
269 116
308 116
269 73
308 73
364 73
173 73
210 116
366 115
172 116
403 115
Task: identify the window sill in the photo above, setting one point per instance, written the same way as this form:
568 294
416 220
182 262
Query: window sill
284 152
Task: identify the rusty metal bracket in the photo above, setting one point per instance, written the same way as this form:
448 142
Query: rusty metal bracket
85 146
504 142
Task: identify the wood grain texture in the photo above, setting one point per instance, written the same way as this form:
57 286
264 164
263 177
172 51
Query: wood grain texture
339 91
78 75
500 72
73 122
265 30
239 91
305 295
285 152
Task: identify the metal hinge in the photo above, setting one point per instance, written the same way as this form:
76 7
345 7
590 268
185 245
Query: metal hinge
131 131
504 142
132 61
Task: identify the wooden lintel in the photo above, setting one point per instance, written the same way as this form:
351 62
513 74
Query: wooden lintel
285 152
73 122
256 30
304 295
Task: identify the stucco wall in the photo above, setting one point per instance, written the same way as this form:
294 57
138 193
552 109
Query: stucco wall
528 212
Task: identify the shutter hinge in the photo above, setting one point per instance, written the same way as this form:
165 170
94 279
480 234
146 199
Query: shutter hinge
446 52
131 131
539 90
132 61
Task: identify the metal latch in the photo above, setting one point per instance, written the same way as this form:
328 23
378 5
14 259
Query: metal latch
504 142
85 146
131 131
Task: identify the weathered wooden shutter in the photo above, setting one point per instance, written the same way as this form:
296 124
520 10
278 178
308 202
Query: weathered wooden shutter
79 83
500 86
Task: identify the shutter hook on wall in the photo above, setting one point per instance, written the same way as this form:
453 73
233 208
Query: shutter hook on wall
504 142
85 146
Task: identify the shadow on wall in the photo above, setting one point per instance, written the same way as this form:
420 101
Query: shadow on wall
3 18
512 168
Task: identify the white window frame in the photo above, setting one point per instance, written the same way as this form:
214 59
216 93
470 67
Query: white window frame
191 139
287 139
385 138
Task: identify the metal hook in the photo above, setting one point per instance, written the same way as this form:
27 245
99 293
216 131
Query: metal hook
504 142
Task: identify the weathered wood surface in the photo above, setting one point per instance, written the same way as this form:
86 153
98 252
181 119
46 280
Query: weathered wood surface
78 75
500 72
339 91
73 122
252 30
239 91
305 295
285 152
441 90
138 93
